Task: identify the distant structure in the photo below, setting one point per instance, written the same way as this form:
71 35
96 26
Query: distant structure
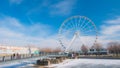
94 51
16 49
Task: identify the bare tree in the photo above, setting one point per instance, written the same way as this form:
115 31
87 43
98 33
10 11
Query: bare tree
57 49
110 48
84 49
47 50
114 48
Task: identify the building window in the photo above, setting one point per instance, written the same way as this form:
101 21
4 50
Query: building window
91 49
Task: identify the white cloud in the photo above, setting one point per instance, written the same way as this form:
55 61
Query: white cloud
5 32
15 1
111 28
110 31
64 7
41 30
9 27
113 21
10 21
13 32
37 9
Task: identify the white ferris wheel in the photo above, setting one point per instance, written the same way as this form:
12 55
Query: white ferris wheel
77 31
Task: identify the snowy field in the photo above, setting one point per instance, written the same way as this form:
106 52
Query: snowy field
72 63
20 63
88 63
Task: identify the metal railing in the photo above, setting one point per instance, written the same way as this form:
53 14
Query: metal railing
22 56
26 56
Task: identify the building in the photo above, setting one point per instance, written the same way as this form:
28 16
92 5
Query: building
17 49
100 51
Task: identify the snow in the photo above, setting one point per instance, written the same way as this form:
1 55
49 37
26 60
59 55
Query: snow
69 63
88 63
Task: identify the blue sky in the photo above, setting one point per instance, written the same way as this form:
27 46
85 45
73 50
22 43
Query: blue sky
41 19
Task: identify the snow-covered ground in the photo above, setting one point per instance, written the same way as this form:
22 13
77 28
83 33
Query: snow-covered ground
70 63
88 63
19 63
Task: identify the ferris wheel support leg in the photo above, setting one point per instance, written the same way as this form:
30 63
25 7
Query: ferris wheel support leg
70 43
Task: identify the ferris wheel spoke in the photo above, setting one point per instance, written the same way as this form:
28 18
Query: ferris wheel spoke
85 25
76 21
86 35
88 28
82 22
69 25
79 22
72 24
67 31
66 28
89 31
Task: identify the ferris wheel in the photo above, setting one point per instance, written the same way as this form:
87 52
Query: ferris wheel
77 31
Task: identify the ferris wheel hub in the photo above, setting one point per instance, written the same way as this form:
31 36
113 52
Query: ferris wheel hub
77 33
